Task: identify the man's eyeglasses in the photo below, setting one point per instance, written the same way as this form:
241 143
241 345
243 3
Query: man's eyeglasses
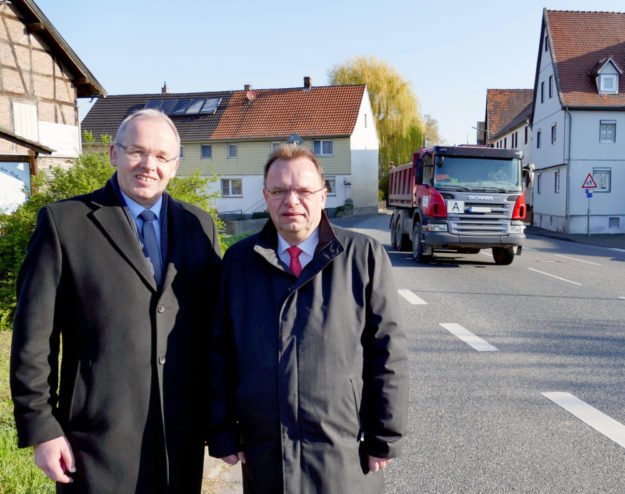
137 155
282 192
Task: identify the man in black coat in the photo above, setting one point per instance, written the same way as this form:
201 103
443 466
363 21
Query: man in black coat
310 368
125 277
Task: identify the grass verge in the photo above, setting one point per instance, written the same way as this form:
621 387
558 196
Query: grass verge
18 473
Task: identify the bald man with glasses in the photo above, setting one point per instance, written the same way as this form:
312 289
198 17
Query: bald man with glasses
126 279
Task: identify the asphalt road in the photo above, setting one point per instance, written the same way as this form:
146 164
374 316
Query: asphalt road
517 372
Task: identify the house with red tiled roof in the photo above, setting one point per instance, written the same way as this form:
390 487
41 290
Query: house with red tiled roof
503 106
231 133
40 79
578 122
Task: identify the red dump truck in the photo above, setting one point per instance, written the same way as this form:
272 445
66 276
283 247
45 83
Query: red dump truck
460 198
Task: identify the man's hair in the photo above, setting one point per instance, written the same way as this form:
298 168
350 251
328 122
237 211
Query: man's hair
152 114
292 152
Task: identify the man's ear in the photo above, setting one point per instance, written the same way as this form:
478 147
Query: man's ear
113 155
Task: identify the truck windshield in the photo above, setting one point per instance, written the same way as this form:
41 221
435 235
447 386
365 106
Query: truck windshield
478 174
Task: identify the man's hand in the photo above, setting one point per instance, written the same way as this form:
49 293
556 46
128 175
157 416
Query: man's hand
376 464
234 459
55 458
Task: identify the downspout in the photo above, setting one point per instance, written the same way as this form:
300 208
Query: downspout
568 166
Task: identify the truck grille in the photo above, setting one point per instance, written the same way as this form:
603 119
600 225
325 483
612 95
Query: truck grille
494 222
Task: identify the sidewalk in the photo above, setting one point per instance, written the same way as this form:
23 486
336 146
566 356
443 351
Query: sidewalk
614 241
220 478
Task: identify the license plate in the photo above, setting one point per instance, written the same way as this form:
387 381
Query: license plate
479 209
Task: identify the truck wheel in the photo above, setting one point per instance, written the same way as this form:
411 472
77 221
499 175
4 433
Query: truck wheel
417 246
503 255
401 239
394 235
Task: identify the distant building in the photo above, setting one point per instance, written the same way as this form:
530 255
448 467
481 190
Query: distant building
577 111
231 133
40 79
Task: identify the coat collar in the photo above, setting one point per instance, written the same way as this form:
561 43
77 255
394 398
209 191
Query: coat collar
328 248
111 215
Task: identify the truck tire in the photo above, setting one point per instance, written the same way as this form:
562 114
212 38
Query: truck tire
503 255
401 239
417 245
394 243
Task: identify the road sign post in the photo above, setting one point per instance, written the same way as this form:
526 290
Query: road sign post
588 185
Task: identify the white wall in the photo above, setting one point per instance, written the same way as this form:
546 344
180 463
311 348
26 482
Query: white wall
364 146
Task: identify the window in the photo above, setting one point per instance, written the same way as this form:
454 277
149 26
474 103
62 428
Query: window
542 92
538 135
554 131
607 131
274 145
323 148
207 151
331 185
181 152
505 142
603 179
546 43
538 181
231 187
608 84
556 182
550 86
526 129
233 151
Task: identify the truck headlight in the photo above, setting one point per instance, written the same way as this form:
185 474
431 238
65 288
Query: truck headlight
516 229
436 227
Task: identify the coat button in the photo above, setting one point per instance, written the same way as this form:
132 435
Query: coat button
160 309
161 360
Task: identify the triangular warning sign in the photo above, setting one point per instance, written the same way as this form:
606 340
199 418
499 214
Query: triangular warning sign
589 183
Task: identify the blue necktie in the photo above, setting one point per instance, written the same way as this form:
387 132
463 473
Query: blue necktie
150 243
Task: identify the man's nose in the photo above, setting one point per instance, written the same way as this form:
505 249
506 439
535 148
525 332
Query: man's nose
292 197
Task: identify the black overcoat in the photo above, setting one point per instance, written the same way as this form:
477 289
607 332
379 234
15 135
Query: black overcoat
85 281
310 373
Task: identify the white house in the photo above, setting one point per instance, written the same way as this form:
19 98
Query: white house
578 122
231 133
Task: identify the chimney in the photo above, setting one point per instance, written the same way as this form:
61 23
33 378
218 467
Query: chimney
164 89
307 83
247 87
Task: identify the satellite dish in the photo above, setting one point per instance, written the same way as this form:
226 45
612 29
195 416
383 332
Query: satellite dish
250 95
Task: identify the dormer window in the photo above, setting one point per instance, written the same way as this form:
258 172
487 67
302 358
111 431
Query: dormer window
608 84
607 74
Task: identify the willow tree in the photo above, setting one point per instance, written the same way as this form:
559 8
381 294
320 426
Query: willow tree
395 109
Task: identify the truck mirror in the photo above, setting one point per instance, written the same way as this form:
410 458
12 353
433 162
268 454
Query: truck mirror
528 175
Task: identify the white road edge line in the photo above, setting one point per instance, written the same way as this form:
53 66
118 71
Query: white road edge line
554 276
578 260
469 338
622 298
411 297
594 418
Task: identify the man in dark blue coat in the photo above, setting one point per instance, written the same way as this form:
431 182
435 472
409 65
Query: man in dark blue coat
125 277
310 368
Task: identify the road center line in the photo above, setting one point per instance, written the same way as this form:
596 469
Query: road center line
411 297
469 338
578 260
594 418
556 277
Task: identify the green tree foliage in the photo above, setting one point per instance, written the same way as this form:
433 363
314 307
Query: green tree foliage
89 172
395 109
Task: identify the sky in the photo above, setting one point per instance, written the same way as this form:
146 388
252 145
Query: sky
450 52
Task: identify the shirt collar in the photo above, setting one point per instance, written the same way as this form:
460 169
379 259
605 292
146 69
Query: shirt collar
308 246
136 209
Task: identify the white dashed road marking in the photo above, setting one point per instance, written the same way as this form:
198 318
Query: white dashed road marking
578 260
411 297
594 418
556 277
469 338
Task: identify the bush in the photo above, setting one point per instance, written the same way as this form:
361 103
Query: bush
90 171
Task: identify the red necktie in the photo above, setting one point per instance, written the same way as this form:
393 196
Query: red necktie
295 265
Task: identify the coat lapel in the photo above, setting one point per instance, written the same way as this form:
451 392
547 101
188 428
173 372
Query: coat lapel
175 231
110 216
